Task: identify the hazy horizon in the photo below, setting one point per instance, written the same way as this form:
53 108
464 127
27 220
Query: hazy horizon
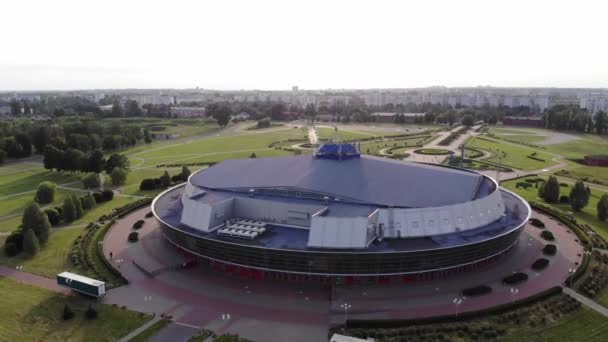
273 45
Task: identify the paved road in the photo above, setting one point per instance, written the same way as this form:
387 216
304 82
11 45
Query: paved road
32 279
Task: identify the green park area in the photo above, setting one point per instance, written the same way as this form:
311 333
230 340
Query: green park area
30 313
512 155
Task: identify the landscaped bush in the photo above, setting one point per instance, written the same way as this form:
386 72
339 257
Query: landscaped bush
564 199
515 278
477 290
98 197
133 237
547 235
138 224
550 250
524 185
91 181
53 215
149 214
536 222
68 313
540 264
107 195
13 244
150 184
91 313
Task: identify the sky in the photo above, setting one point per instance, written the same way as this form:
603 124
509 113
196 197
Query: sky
94 44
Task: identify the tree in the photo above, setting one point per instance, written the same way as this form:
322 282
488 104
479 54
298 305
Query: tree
77 206
579 197
468 120
600 122
116 160
147 136
551 190
69 210
91 313
310 112
36 221
45 193
91 181
220 112
96 161
253 155
132 108
68 313
185 173
118 176
88 202
602 208
116 109
165 180
30 242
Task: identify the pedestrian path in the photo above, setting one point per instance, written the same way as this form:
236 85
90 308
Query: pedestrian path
140 329
586 301
32 279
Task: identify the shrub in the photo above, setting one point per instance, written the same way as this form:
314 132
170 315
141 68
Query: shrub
67 313
148 184
477 290
138 224
515 278
133 237
540 264
45 193
53 215
564 199
550 249
91 181
149 214
98 197
88 201
10 249
107 195
16 238
536 222
91 313
547 235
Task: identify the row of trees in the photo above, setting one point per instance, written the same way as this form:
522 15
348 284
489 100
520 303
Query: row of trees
21 138
165 180
578 198
573 118
74 160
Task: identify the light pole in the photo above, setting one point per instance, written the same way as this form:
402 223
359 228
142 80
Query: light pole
346 307
514 292
571 271
457 301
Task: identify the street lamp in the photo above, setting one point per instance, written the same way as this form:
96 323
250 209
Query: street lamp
571 271
514 292
346 307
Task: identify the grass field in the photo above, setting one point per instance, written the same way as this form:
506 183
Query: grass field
511 155
583 325
587 215
29 313
145 335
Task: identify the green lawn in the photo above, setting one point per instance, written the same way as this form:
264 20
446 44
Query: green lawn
29 313
577 149
14 180
587 215
514 156
145 335
582 325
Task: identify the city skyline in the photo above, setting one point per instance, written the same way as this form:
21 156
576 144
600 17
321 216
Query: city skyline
274 45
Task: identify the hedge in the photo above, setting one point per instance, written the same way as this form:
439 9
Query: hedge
547 235
138 224
133 237
540 264
515 278
550 249
476 291
537 223
393 323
